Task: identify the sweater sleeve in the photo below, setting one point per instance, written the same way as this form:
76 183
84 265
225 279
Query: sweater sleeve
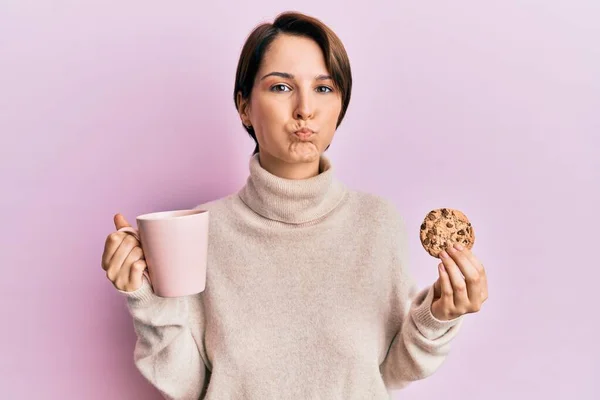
166 352
421 342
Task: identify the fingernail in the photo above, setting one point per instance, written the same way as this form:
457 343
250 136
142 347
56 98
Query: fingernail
443 254
441 267
458 246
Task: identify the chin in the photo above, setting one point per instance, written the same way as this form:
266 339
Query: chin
304 152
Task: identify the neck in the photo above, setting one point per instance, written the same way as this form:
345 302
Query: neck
292 201
292 171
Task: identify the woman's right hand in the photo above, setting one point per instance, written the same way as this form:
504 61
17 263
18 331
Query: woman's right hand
123 258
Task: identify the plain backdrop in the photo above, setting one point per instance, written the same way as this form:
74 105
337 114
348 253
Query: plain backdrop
491 107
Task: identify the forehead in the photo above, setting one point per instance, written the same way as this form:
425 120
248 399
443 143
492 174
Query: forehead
294 54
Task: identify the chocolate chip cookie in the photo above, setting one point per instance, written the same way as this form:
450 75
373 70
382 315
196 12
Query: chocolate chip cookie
443 227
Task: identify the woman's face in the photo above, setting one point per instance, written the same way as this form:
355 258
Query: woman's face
292 91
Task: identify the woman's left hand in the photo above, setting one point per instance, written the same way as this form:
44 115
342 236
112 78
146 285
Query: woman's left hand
455 295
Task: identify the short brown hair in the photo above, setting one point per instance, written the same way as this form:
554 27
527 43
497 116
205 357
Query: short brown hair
298 24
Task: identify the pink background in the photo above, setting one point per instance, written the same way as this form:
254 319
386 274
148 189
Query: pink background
123 106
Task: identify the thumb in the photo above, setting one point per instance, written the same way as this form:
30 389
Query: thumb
120 221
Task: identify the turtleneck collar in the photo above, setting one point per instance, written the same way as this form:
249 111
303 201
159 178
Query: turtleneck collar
288 200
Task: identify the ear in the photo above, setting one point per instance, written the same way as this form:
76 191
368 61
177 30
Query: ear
243 109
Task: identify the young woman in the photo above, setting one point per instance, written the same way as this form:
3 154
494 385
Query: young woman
308 294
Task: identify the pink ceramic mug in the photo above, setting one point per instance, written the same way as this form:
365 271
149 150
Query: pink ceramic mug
175 245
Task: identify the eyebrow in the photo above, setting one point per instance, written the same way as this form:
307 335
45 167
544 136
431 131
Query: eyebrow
290 76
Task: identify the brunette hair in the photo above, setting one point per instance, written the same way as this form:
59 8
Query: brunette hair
298 24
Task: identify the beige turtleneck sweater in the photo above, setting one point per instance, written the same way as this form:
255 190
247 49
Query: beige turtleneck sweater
308 296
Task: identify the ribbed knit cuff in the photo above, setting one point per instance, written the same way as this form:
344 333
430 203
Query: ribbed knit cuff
429 326
141 297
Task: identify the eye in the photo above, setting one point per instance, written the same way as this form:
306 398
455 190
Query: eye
274 88
328 89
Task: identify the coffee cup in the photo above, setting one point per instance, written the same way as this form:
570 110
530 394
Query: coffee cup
175 245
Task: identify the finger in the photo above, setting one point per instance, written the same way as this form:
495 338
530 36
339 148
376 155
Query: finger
471 257
122 280
113 241
459 286
446 291
472 276
437 291
136 274
115 264
484 282
472 279
481 270
120 221
483 286
464 264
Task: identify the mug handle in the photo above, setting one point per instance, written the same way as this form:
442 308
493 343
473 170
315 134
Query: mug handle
135 234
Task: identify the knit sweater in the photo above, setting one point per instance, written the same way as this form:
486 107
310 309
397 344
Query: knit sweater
308 296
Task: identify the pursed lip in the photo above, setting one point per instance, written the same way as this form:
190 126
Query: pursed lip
304 131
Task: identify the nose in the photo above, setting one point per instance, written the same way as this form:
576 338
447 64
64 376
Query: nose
304 105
